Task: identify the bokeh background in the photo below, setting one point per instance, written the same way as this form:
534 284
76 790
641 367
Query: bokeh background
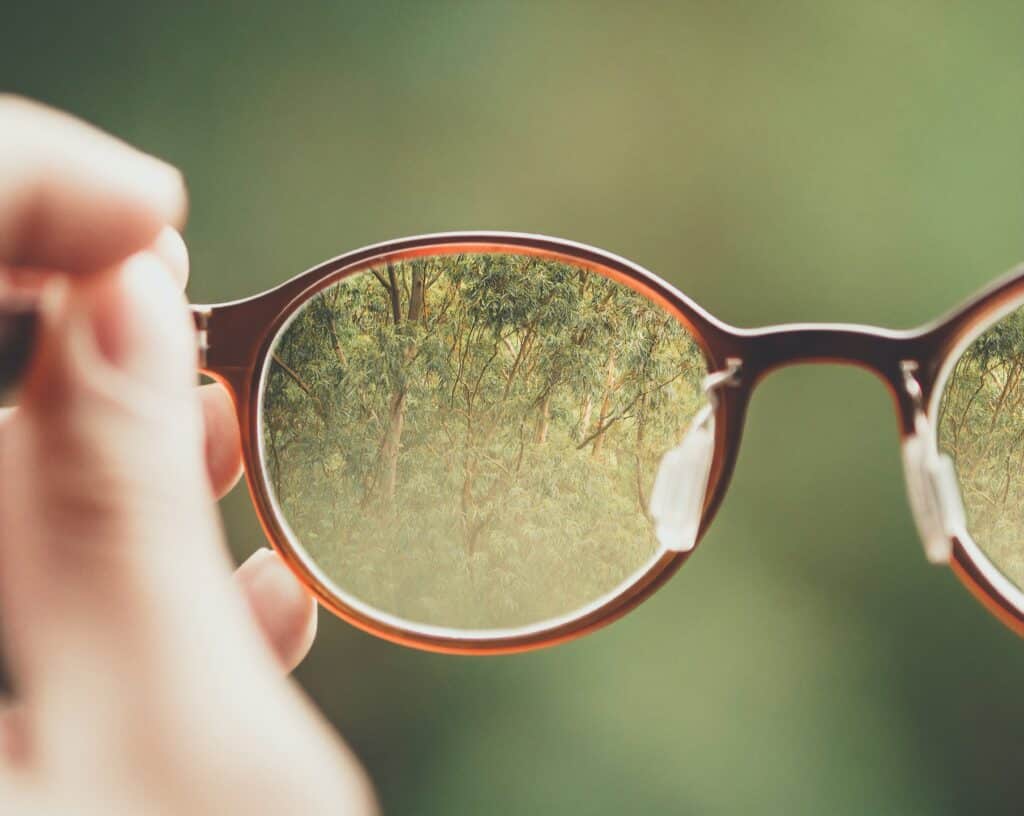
779 162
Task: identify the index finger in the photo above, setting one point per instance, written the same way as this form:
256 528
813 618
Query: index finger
74 198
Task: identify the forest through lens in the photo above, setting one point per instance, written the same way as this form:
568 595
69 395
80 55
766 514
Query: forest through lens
470 440
981 425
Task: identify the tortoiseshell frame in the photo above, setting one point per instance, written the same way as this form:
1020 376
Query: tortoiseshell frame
235 340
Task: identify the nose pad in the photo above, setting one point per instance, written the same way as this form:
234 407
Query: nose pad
677 498
934 493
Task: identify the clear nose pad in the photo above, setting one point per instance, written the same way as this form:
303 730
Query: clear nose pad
932 485
934 496
677 498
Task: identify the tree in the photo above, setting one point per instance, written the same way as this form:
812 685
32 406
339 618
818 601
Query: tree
468 440
981 425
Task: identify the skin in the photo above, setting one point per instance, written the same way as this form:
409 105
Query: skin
147 679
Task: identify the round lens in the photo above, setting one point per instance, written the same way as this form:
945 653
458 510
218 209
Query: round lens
981 425
469 441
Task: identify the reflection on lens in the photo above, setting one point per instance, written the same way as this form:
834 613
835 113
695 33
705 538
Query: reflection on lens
981 425
469 441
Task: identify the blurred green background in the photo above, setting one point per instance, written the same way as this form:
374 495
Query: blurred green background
778 161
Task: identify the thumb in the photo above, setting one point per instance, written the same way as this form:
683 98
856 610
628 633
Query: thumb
111 563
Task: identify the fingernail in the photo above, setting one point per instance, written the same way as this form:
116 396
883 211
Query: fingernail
171 250
252 565
268 572
137 318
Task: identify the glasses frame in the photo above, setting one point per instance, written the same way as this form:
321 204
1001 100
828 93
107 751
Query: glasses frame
236 339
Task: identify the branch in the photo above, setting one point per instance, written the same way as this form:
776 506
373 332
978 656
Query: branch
602 430
623 414
293 374
396 306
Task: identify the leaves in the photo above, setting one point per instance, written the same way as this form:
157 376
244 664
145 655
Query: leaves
981 425
467 440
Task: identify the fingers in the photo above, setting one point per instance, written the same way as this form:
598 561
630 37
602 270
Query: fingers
223 439
283 610
223 443
72 197
171 249
112 565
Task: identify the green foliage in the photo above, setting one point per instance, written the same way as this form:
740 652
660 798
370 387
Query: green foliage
470 440
981 425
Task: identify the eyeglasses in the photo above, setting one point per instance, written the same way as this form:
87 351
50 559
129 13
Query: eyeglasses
492 442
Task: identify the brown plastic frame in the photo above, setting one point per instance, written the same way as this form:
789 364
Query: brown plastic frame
235 340
237 337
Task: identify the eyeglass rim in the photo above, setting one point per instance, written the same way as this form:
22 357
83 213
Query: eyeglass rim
246 382
238 359
968 560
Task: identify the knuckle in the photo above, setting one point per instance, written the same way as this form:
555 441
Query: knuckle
126 455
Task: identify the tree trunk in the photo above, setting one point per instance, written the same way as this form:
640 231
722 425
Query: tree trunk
585 411
1012 378
606 402
395 295
641 426
417 295
392 443
544 420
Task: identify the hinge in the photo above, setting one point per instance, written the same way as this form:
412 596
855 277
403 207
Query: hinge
202 318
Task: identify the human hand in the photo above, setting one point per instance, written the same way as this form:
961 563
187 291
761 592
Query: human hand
146 679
